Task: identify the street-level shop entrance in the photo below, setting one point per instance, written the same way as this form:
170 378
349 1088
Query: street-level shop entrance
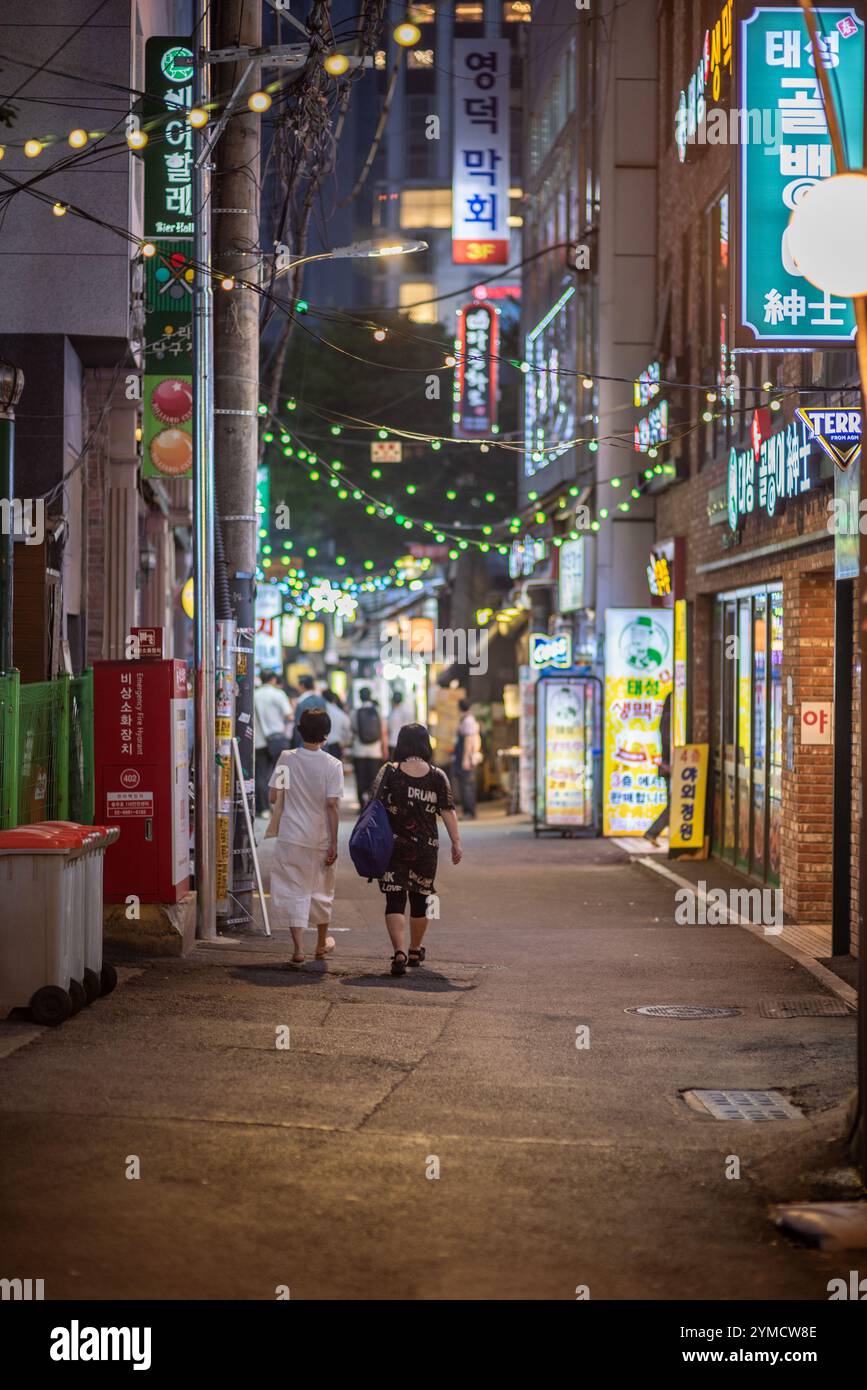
747 729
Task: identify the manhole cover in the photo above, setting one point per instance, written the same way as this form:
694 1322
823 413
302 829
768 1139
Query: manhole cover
804 1006
754 1106
682 1011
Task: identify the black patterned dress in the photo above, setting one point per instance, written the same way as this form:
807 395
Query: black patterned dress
413 804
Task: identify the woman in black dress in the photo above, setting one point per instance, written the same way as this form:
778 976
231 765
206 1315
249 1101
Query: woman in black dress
413 793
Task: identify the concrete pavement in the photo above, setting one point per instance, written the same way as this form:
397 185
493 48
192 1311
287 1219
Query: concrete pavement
263 1166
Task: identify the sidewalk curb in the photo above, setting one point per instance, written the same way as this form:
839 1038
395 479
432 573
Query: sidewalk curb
820 972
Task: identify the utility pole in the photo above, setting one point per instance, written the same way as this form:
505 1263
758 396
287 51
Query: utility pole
860 306
235 207
11 386
203 508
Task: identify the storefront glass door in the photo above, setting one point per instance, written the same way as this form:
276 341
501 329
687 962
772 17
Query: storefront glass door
746 728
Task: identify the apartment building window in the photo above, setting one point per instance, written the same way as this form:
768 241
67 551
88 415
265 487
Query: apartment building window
414 293
421 152
470 14
517 12
426 207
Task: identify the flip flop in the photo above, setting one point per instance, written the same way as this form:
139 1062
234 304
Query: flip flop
329 947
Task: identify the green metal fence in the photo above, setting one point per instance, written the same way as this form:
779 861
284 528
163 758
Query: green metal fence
46 750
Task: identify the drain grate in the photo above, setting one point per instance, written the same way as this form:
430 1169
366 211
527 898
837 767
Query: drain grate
804 1006
682 1011
757 1107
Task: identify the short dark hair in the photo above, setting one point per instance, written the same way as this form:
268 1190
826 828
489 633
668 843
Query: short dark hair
364 694
413 741
314 725
306 682
397 698
269 676
464 705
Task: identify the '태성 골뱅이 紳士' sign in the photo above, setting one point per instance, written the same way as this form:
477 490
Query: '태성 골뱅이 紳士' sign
480 176
776 306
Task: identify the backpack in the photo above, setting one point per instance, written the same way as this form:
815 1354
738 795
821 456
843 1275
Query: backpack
368 725
371 843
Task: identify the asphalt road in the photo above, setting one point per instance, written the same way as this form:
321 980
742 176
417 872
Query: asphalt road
264 1166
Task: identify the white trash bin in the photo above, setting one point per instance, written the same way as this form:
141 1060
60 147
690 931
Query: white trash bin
41 942
98 977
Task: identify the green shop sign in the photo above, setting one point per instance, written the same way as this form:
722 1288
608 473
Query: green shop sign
776 306
167 406
168 155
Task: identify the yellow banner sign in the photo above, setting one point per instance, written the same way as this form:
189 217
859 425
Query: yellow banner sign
688 796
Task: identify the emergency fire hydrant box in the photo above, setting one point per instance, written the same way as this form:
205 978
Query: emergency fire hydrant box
141 773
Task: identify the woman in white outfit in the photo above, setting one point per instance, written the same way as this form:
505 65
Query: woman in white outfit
306 790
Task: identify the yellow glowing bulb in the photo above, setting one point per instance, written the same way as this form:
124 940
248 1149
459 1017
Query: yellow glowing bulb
228 283
336 64
77 139
407 34
2 151
379 335
138 434
60 209
197 117
32 148
258 101
450 361
136 139
148 249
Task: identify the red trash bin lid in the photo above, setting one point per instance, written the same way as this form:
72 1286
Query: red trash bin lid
40 838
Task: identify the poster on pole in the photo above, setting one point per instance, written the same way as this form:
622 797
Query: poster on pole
638 676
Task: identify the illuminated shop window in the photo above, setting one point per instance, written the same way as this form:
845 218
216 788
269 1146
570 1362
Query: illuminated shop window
469 14
411 292
426 207
517 12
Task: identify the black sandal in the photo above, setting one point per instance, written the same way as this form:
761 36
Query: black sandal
419 956
398 967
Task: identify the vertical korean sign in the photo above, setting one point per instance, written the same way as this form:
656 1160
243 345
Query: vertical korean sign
638 672
480 177
780 98
476 372
168 223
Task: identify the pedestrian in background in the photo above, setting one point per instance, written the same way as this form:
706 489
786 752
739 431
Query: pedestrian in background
341 726
414 793
272 717
653 832
310 699
467 757
399 717
369 748
306 790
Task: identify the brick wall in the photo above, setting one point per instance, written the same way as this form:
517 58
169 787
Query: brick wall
804 566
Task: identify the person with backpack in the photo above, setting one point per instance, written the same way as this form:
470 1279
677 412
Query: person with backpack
306 790
413 793
369 748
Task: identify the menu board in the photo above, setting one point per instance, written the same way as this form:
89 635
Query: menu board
638 676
